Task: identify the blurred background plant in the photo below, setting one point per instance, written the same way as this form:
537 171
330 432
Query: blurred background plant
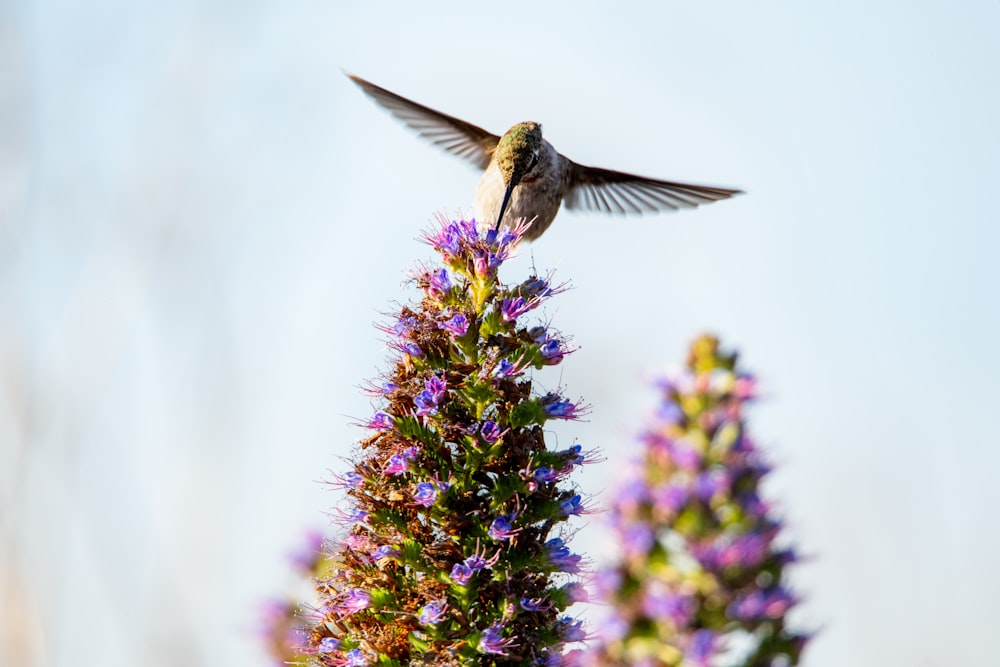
701 576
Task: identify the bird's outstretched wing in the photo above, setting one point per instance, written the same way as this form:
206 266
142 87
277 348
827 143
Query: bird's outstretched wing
610 191
455 136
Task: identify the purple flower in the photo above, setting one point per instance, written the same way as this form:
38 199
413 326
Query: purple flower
345 520
659 602
511 309
560 556
458 324
404 326
470 230
572 631
684 455
437 387
668 500
536 604
576 592
426 403
432 612
381 422
426 494
636 540
745 551
482 263
428 399
461 573
545 475
475 562
557 408
413 350
439 283
356 658
490 431
385 551
448 240
670 413
536 287
701 648
552 351
328 645
356 600
502 528
711 483
305 559
352 480
492 642
398 464
745 387
505 368
572 506
759 605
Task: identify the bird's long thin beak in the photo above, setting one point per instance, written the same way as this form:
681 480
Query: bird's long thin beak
503 206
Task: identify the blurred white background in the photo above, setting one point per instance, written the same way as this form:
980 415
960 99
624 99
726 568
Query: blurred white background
200 217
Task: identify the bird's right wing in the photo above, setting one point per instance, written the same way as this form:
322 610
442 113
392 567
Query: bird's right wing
455 136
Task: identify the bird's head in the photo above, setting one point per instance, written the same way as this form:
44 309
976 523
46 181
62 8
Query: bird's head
518 151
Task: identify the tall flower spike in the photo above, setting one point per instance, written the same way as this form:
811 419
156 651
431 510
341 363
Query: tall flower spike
700 573
445 530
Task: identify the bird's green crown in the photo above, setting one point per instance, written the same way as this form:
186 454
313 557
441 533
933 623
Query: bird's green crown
516 149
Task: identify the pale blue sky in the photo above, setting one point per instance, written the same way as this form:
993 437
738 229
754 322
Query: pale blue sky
200 217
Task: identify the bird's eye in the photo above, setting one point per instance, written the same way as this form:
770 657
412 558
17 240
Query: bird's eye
533 161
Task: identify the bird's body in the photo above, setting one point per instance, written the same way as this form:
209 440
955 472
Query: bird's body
525 177
537 196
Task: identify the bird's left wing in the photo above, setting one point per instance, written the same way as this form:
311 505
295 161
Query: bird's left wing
610 191
452 134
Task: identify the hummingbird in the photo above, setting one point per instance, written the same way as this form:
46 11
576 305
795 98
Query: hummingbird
525 177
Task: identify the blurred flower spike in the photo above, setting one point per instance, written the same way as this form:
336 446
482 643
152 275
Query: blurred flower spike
701 578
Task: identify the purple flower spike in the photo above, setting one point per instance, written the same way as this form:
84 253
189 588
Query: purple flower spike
441 551
693 501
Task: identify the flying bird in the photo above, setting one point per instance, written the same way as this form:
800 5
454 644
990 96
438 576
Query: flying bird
525 177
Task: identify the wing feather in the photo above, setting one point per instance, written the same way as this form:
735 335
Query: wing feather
609 191
463 139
